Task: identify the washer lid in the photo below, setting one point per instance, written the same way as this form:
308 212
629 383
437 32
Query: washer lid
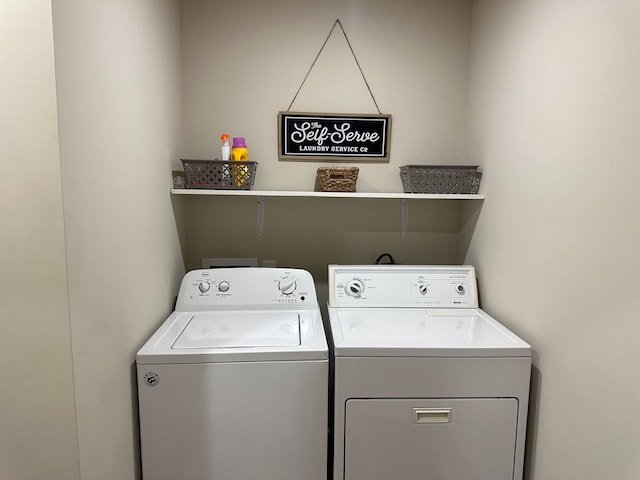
236 336
421 332
237 330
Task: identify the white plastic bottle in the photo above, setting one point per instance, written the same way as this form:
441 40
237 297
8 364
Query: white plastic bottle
226 148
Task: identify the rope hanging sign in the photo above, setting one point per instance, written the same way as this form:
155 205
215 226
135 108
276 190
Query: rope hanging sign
334 136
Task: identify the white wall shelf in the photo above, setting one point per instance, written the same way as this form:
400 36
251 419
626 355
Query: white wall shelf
261 196
285 193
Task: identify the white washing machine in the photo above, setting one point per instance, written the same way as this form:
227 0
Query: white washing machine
427 385
234 384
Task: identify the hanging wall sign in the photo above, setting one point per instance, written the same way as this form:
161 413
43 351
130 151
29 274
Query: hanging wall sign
339 137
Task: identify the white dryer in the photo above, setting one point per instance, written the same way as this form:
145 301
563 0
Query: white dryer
427 385
234 384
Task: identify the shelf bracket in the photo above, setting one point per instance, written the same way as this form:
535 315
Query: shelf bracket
260 201
405 217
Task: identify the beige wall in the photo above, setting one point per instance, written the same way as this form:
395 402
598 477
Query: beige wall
553 123
243 63
37 422
555 102
312 233
118 72
118 76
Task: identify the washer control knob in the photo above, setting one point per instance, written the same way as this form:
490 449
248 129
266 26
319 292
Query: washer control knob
224 286
460 289
354 288
423 289
287 286
204 286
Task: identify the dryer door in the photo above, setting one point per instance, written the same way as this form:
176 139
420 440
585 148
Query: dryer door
443 439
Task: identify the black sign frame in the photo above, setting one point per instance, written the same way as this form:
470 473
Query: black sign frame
334 137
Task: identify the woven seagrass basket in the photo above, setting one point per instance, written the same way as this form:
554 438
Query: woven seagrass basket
337 179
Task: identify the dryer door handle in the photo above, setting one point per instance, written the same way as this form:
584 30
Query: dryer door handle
425 416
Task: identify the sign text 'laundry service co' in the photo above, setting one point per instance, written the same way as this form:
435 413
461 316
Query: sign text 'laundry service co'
327 136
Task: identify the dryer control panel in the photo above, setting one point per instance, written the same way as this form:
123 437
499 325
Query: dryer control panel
402 286
246 288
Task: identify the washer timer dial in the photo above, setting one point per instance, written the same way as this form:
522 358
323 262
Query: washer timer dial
287 286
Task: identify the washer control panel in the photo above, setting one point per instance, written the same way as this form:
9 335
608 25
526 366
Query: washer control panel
402 286
246 288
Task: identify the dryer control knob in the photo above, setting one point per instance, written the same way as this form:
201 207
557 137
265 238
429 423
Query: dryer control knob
423 289
354 288
460 289
204 286
287 286
224 286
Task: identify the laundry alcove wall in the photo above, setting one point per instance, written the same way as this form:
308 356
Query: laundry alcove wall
238 72
141 84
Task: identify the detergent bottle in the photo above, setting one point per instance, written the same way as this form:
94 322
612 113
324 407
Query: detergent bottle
239 153
239 149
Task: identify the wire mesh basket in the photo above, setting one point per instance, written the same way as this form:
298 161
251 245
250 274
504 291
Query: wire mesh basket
337 179
220 174
440 178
